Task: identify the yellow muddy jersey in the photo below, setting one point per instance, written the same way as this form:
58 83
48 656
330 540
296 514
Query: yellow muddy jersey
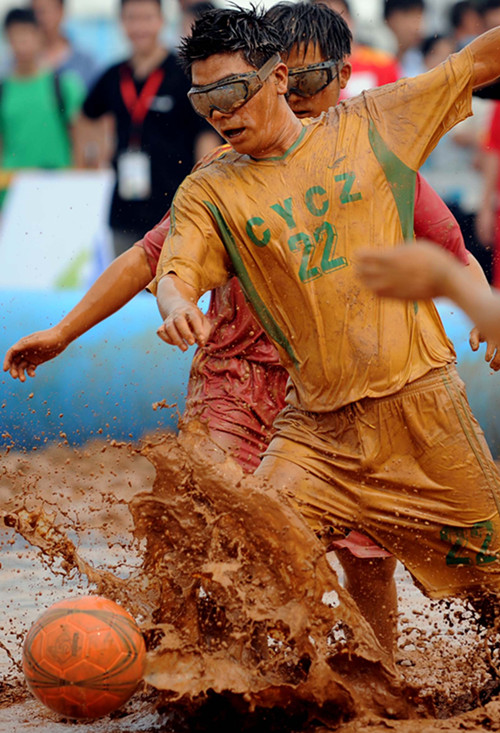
289 227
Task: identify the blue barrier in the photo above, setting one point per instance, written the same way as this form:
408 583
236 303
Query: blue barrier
106 382
483 385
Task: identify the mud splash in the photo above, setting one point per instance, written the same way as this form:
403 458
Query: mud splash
249 606
247 625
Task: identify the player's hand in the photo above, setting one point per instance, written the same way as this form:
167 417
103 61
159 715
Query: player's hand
184 326
22 359
492 354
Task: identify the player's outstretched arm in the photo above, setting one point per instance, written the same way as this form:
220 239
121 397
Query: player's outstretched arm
486 53
492 353
435 222
184 324
422 270
125 277
414 271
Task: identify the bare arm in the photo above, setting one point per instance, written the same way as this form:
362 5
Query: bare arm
422 270
435 222
486 52
184 324
125 277
475 297
476 277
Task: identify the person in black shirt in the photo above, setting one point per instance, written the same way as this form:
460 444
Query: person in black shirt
158 137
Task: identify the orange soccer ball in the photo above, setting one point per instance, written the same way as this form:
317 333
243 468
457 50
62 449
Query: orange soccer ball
84 657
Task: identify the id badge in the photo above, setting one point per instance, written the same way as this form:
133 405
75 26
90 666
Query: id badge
134 175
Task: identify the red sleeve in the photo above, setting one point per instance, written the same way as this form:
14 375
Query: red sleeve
152 242
492 141
433 220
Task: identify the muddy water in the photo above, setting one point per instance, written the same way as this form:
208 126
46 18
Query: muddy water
231 633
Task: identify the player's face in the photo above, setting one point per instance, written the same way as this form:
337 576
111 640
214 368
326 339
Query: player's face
313 106
252 128
142 22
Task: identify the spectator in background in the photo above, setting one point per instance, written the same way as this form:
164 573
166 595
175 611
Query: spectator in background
158 135
490 13
466 23
453 168
487 222
405 18
58 53
371 67
192 12
435 49
37 107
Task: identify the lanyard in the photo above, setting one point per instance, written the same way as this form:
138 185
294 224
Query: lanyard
138 105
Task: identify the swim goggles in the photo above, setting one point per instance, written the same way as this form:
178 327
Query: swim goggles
306 81
228 94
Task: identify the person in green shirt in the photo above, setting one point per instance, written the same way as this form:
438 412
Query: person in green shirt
37 107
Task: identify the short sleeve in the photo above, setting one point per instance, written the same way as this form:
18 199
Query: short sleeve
412 115
193 249
434 221
152 242
73 92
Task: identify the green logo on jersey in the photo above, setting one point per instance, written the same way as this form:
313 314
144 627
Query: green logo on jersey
324 236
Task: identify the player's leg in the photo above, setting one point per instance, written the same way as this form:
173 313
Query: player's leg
369 581
237 401
372 585
431 494
245 451
411 470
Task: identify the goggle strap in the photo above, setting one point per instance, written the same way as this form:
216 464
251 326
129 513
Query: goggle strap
266 69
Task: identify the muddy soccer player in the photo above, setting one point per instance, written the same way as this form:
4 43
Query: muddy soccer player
377 434
312 36
236 384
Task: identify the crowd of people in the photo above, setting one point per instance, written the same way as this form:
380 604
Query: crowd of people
58 110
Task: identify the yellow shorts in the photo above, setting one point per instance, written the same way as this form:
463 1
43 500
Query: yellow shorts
412 470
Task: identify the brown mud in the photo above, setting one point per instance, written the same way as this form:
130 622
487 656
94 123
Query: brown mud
247 624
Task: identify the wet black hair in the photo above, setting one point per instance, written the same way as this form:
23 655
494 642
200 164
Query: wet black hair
231 30
392 6
301 24
17 16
